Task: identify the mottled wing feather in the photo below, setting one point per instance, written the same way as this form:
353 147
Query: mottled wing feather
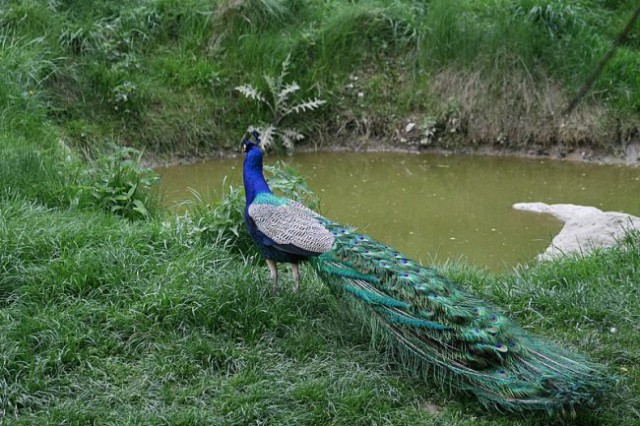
302 207
292 224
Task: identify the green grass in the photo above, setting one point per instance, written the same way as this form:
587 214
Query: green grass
108 320
126 320
114 312
159 75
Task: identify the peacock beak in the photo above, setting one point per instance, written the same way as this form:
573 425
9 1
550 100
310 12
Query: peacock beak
243 146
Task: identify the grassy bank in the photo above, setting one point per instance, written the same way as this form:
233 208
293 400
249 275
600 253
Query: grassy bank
116 318
114 312
111 316
160 75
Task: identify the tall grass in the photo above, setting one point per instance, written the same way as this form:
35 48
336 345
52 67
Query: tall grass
543 37
160 74
145 317
110 321
26 65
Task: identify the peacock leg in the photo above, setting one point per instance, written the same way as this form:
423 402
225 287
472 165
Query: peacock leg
296 276
274 275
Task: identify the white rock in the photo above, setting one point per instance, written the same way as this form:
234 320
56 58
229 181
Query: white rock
409 127
585 228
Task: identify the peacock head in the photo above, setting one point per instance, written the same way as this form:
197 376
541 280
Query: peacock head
248 144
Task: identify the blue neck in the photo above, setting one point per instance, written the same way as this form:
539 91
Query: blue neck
253 177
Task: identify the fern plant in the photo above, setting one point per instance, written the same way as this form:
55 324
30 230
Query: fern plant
281 105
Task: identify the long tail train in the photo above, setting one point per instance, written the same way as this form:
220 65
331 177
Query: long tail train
457 335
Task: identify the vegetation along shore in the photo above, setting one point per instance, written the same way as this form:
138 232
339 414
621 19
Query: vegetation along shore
113 311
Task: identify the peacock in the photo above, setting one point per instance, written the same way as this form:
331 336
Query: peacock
462 341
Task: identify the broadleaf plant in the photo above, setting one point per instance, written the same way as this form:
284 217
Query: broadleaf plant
282 105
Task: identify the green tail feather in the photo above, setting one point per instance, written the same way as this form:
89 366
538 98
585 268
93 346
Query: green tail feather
461 339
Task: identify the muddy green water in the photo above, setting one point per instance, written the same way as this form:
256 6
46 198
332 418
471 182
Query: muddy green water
435 208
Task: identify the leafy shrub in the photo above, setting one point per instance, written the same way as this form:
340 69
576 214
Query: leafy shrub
286 181
118 184
223 223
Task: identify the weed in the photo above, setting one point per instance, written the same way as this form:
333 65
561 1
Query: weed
224 222
117 184
282 107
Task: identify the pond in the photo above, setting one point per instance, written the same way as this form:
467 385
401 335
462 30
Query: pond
435 208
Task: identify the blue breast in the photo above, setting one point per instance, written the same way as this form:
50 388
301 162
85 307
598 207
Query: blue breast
255 186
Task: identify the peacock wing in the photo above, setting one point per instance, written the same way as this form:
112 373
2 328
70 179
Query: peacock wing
292 226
